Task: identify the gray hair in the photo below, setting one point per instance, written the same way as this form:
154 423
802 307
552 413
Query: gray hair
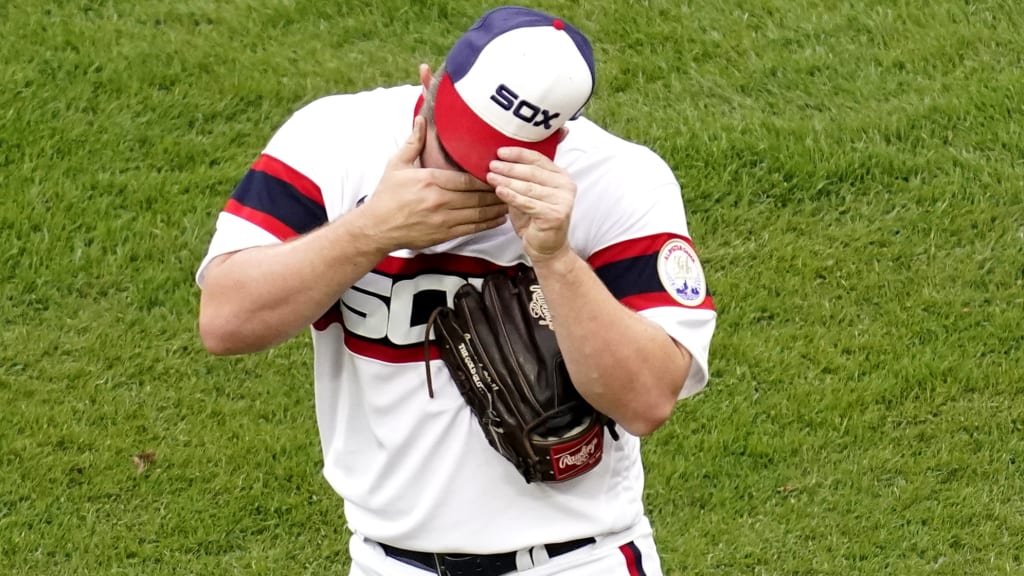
427 110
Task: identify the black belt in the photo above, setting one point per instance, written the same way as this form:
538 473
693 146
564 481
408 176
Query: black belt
475 565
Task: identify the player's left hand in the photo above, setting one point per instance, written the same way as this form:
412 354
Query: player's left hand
540 197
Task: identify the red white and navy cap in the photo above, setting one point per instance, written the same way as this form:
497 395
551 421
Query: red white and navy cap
513 79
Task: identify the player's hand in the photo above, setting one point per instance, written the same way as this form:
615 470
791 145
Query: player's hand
417 207
540 196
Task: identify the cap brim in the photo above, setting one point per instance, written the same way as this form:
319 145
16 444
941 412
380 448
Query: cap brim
470 140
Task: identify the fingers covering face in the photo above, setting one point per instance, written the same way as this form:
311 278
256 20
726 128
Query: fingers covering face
460 181
527 172
410 151
474 200
482 213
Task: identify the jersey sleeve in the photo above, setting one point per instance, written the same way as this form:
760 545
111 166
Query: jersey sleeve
278 199
641 250
280 196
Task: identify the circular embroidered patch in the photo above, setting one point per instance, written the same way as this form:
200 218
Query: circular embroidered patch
681 273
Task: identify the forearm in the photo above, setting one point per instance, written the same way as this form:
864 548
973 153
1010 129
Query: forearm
259 297
623 364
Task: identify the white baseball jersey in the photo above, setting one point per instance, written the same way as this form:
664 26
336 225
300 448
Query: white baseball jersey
417 472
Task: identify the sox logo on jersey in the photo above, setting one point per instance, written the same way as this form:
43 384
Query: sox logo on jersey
385 313
378 307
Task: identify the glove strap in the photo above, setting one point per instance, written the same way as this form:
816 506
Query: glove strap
426 348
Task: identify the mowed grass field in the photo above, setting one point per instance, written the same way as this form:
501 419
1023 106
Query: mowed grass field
854 177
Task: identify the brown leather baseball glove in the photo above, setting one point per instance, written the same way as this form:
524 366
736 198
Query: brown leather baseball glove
499 346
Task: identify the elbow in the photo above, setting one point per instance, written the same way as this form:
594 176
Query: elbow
223 335
657 418
663 388
650 412
219 330
649 418
214 339
217 335
217 347
644 408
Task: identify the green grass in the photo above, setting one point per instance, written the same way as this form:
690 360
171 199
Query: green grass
854 179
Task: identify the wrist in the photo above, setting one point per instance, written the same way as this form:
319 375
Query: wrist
365 229
556 265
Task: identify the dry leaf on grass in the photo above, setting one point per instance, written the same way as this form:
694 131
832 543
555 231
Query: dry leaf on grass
142 460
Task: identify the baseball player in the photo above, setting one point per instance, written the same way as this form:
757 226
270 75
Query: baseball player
367 211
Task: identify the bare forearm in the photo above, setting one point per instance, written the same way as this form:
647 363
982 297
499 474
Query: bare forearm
256 298
623 364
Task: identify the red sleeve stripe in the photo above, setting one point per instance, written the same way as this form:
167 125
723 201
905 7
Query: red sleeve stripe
631 248
442 263
649 300
261 219
278 169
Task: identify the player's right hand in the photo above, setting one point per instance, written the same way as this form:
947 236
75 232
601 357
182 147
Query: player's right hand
416 207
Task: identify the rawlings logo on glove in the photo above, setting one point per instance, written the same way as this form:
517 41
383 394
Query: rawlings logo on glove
499 346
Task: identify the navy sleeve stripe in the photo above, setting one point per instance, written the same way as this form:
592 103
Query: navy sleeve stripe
277 198
270 165
635 283
631 276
